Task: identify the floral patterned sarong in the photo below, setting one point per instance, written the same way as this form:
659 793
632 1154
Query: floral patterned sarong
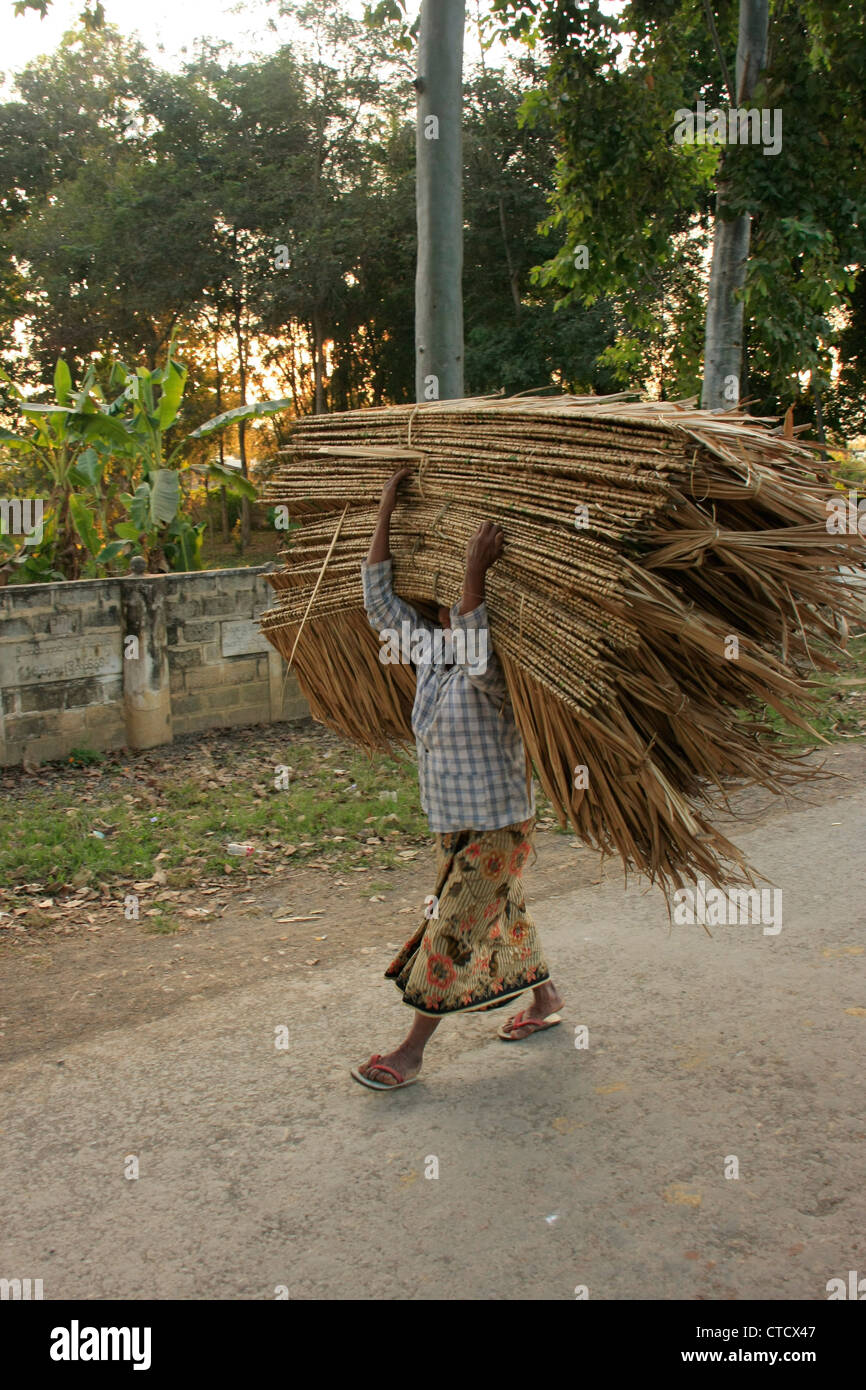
479 946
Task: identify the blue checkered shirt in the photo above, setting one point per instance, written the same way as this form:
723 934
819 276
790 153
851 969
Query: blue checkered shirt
471 757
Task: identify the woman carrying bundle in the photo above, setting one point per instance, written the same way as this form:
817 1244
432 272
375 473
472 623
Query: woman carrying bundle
478 946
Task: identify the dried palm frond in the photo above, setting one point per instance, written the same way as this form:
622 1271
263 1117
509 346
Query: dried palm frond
667 575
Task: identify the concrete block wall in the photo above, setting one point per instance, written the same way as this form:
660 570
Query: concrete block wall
65 681
222 671
61 669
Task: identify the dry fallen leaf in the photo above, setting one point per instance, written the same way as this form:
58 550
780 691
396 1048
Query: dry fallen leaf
677 1196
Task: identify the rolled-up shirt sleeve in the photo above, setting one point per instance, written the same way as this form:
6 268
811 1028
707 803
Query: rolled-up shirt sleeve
478 660
383 607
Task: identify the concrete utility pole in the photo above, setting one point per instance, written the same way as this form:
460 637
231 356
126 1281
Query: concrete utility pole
723 341
439 202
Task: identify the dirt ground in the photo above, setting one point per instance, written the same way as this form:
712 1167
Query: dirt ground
180 1120
58 991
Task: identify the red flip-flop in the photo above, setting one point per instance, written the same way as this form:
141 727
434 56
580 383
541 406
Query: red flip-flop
376 1061
520 1021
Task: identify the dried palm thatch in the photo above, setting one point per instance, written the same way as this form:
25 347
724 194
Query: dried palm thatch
640 538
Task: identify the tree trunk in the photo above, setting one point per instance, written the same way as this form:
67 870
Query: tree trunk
819 414
318 364
289 364
439 202
513 276
723 342
242 424
224 506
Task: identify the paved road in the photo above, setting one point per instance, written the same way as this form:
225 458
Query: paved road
558 1167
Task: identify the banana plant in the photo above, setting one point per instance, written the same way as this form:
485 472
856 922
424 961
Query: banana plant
148 406
77 437
71 441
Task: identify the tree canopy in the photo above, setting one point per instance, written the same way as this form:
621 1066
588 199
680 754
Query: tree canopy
642 204
263 210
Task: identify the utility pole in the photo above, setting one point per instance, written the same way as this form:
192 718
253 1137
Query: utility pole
723 342
439 202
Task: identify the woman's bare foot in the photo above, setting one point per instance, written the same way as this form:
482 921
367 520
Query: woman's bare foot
546 999
407 1058
407 1063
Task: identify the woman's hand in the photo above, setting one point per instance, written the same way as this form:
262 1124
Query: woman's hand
380 545
484 549
388 500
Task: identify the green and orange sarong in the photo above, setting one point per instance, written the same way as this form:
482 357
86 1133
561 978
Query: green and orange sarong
478 947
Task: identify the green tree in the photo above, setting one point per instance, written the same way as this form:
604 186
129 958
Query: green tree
518 337
643 204
115 239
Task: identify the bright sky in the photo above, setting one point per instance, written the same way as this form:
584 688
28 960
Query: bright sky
168 29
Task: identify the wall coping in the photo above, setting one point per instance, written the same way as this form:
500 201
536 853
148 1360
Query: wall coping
66 585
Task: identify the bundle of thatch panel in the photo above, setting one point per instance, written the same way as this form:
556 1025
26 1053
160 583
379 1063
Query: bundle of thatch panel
667 575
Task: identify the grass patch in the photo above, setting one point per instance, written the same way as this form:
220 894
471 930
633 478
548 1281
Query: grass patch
169 815
104 825
840 710
159 923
